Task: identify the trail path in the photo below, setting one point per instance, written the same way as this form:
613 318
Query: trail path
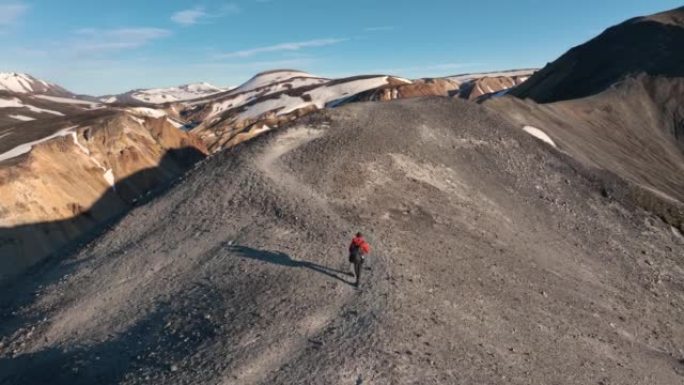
495 260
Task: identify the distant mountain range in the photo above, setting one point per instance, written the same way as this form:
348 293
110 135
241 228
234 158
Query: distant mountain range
48 131
21 83
165 95
227 116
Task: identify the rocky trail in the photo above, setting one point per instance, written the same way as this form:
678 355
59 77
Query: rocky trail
496 259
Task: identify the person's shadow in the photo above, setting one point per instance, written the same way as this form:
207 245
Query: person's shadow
283 259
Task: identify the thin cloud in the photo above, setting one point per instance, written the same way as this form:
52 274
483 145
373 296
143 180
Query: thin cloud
30 52
11 13
98 40
292 46
383 28
189 16
252 66
197 15
430 67
450 66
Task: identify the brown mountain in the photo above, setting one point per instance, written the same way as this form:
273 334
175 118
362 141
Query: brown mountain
82 172
650 45
616 103
276 98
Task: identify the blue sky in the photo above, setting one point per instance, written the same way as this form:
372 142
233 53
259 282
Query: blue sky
98 47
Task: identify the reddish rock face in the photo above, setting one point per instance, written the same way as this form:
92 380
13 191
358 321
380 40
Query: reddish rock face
490 85
90 173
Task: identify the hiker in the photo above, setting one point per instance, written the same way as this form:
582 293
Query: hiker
358 249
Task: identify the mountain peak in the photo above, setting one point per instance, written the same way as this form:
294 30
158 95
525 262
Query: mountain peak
268 78
200 87
22 83
672 17
620 52
167 95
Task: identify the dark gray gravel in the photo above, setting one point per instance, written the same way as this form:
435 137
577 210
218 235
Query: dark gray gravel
496 260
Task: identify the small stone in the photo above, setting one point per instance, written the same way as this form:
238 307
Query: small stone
648 262
174 368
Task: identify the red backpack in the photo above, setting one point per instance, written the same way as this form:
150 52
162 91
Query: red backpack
359 244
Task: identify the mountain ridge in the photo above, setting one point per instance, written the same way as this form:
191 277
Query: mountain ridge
592 67
23 83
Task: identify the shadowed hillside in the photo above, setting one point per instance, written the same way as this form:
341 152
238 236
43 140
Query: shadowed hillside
493 256
616 103
644 45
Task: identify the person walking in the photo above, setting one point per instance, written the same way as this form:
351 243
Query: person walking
358 249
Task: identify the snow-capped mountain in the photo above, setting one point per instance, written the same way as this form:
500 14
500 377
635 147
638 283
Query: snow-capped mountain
22 83
273 98
25 98
166 95
225 116
474 86
516 73
16 108
276 97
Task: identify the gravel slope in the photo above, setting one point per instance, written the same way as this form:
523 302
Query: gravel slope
495 259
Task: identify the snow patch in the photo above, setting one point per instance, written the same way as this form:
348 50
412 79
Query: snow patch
17 103
175 123
474 76
74 136
323 96
337 93
238 99
108 173
16 82
137 119
11 103
56 99
109 100
269 78
26 147
109 177
176 94
148 112
22 118
539 134
260 130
